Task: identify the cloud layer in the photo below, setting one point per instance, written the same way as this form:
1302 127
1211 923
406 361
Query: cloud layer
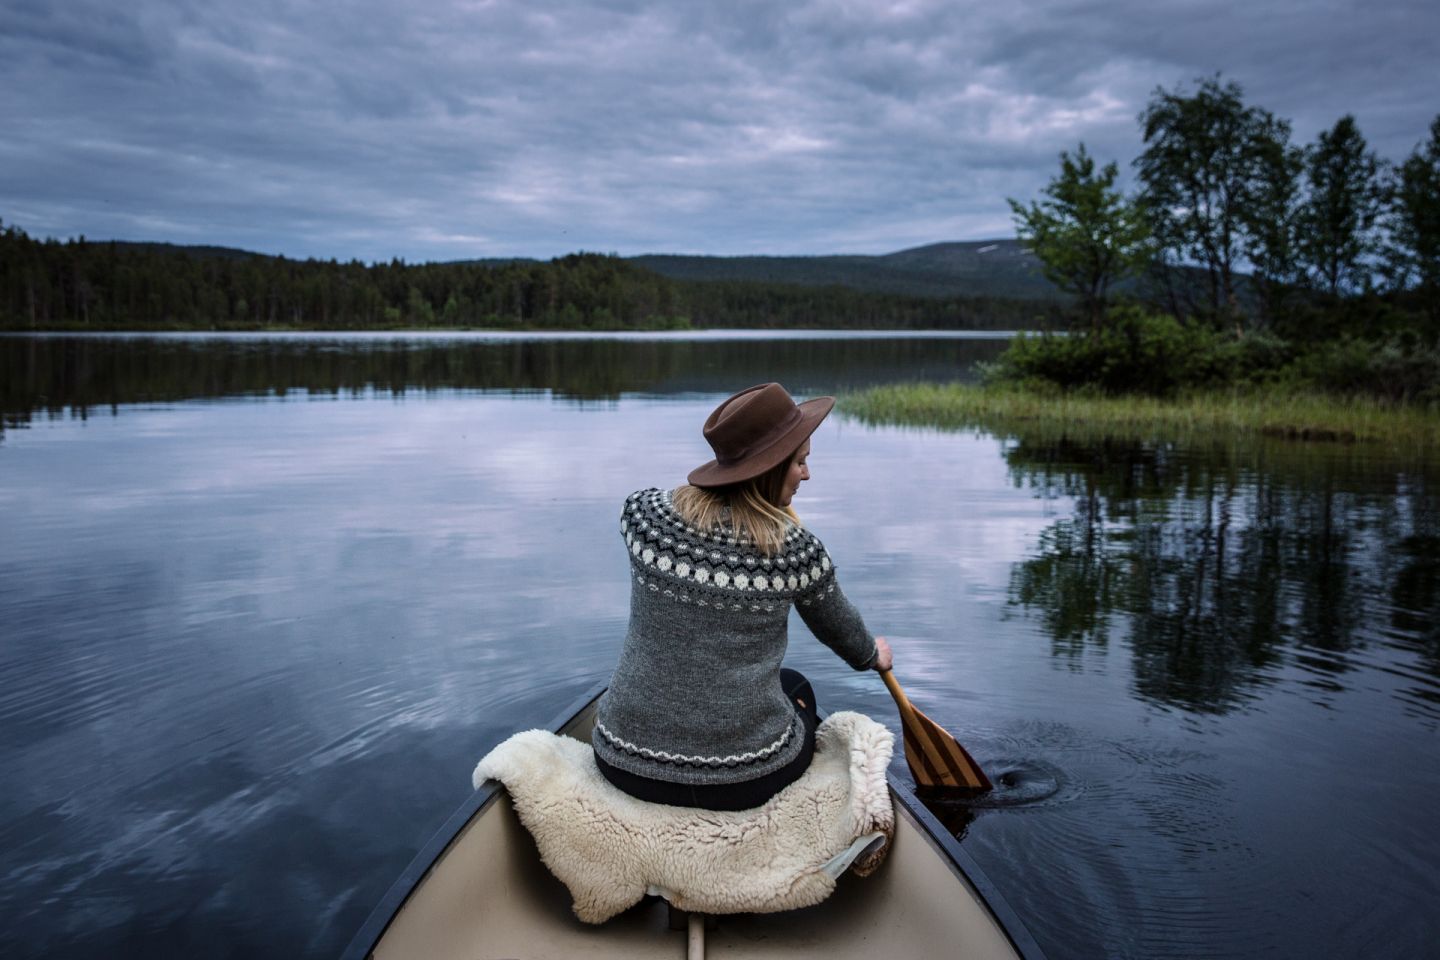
369 129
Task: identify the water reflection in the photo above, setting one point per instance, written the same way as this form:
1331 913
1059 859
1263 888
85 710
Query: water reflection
251 633
81 374
1214 563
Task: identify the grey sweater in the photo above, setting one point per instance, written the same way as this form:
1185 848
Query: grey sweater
696 696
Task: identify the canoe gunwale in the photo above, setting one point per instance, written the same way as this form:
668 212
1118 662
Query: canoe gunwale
371 932
940 839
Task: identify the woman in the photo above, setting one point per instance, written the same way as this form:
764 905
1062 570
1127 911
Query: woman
699 712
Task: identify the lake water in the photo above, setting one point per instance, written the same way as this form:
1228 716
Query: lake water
264 601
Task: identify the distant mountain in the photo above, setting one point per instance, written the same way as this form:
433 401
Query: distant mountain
103 285
979 268
984 268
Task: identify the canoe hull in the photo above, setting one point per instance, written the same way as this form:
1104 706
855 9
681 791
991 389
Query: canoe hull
479 890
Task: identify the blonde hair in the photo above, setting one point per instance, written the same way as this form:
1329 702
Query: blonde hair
749 508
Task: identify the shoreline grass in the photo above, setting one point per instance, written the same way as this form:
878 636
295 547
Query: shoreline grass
1314 417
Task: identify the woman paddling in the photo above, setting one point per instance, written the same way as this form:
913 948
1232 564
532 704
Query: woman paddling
699 712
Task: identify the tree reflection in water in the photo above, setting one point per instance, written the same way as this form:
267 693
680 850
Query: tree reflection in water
1219 563
76 374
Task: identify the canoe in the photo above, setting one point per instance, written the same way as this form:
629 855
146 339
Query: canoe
479 890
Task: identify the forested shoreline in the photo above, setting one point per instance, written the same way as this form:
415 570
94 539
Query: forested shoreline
83 285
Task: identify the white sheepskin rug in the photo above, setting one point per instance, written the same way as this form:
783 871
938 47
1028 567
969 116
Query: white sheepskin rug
610 849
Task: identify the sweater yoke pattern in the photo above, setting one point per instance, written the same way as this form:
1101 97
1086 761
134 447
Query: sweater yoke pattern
719 568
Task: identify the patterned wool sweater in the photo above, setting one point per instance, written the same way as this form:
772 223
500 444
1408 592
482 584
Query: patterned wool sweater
696 697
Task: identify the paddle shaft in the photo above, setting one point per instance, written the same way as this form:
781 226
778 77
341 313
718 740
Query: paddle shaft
907 712
935 758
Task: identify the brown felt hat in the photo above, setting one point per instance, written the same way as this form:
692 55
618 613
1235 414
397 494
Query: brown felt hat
755 430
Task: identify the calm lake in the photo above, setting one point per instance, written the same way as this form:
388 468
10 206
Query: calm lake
265 600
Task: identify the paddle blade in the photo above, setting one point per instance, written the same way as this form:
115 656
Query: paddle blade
936 759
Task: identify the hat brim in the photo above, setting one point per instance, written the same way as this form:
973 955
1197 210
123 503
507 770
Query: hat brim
716 474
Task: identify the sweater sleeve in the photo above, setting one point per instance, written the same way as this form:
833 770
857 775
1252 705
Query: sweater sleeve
835 621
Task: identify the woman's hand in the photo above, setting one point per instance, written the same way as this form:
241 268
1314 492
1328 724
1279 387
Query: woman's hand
883 657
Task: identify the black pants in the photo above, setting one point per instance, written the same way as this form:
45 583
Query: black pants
731 796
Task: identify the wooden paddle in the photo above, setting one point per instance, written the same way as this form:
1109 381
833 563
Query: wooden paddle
935 758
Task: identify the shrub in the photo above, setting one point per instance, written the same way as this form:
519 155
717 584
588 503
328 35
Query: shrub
1399 368
1261 356
1135 352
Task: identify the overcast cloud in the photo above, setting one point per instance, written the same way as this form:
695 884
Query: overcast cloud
446 130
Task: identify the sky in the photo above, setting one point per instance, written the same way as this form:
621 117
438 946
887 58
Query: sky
440 131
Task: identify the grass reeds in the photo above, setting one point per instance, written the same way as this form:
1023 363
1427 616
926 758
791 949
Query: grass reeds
1257 412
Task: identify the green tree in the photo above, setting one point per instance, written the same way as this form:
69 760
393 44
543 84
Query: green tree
1085 232
1272 223
1415 222
1202 168
1338 221
418 311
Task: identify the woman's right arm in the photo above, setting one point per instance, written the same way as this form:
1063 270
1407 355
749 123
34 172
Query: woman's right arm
837 624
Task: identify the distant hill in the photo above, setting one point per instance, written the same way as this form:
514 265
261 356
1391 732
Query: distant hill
984 268
976 268
84 284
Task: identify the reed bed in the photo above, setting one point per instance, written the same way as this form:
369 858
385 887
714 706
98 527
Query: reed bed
1260 412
